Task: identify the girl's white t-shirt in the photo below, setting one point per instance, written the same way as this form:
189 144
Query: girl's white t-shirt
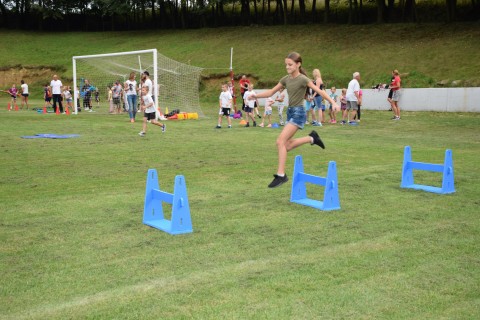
24 88
67 94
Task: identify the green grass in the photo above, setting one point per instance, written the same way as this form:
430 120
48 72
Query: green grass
425 54
73 246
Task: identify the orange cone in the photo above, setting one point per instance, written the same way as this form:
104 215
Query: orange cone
57 111
8 106
16 107
67 112
44 109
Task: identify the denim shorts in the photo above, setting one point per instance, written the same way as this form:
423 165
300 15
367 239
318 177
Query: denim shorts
309 105
296 116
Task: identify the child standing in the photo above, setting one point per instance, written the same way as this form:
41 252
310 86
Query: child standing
13 92
67 95
47 95
97 97
148 107
281 104
117 97
310 107
77 92
333 112
343 104
231 89
296 82
250 104
24 87
268 112
225 104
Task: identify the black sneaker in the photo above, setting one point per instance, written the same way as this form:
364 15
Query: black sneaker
254 124
248 125
259 116
316 139
218 127
277 181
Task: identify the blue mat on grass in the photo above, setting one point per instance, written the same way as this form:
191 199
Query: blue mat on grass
51 136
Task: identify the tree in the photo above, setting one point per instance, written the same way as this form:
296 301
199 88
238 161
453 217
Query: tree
451 10
380 11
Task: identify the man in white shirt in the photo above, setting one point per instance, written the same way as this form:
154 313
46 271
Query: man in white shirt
56 86
353 96
148 83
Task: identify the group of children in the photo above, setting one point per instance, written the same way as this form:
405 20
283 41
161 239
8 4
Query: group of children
312 104
13 92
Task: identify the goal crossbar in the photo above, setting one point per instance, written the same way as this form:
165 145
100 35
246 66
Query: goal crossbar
104 55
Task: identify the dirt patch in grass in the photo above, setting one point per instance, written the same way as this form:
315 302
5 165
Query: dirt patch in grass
34 76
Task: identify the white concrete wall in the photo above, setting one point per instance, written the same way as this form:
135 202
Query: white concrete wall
426 99
423 99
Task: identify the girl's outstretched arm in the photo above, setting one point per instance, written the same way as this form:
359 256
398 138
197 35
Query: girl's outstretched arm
323 93
267 93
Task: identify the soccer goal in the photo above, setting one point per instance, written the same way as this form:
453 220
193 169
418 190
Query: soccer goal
176 85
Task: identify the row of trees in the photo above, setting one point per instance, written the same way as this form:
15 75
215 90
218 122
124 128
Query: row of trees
102 15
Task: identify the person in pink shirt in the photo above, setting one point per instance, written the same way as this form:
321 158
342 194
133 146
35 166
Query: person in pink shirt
13 92
395 86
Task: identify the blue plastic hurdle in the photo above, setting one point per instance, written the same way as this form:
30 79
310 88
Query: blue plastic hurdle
447 169
298 195
153 213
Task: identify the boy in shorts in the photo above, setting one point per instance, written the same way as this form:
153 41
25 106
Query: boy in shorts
225 104
148 108
249 105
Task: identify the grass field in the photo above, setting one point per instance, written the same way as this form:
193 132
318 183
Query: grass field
73 246
425 54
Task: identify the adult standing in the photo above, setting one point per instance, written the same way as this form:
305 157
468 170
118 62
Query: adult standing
353 96
56 86
131 92
24 87
87 96
395 87
244 83
390 92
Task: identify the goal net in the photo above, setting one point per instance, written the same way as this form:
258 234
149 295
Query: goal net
175 84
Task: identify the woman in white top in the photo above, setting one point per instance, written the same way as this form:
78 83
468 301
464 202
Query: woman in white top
131 92
24 87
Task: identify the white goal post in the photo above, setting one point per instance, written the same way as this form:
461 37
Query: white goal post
176 85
